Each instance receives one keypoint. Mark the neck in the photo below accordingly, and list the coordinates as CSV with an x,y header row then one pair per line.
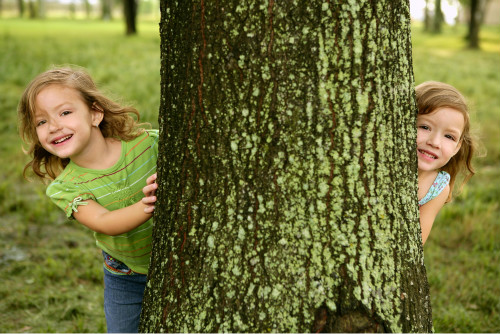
x,y
426,173
103,153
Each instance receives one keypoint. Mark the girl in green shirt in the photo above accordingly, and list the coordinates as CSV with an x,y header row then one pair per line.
x,y
98,159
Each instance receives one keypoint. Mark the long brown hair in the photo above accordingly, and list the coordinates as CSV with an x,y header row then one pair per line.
x,y
433,95
117,121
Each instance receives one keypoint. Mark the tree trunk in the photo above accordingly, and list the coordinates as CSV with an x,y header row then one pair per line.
x,y
20,6
474,23
287,195
130,14
106,12
33,9
438,17
427,17
88,8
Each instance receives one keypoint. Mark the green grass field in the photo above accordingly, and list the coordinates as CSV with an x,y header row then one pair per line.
x,y
51,278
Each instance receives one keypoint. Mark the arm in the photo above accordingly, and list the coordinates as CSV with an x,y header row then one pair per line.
x,y
429,211
101,220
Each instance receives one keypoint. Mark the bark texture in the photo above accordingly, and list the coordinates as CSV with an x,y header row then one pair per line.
x,y
287,195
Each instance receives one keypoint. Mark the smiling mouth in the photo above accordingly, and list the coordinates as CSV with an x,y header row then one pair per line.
x,y
63,139
428,154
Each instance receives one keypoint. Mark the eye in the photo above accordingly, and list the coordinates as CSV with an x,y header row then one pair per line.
x,y
39,123
451,137
65,112
424,127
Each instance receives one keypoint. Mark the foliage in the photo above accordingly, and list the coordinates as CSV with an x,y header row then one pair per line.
x,y
51,277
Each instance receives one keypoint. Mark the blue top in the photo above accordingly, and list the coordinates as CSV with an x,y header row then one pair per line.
x,y
440,182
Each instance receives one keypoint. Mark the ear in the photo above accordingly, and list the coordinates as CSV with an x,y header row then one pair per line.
x,y
97,114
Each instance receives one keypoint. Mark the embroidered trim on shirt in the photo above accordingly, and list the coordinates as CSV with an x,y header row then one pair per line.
x,y
76,202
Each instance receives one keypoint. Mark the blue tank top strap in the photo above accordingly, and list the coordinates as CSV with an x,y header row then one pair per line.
x,y
440,182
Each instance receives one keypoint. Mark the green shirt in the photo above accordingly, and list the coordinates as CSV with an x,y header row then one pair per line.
x,y
114,188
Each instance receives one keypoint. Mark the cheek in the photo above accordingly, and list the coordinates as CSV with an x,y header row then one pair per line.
x,y
420,136
38,132
452,149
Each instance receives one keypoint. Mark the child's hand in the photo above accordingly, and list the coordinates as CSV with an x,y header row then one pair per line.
x,y
149,192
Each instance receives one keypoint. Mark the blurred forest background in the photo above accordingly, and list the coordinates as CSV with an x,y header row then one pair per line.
x,y
51,271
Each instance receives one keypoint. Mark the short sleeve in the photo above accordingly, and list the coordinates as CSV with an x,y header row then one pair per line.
x,y
154,134
68,196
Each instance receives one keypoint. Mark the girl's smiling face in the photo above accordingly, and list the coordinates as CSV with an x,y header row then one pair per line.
x,y
439,137
64,122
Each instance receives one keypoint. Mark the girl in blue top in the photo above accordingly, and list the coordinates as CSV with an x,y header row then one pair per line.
x,y
444,147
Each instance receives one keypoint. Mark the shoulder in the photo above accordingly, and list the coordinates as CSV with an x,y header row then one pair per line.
x,y
147,136
68,189
436,187
152,132
442,178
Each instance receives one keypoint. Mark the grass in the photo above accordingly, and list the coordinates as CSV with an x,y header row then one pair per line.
x,y
51,277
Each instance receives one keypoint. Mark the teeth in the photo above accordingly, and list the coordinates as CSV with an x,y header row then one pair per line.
x,y
432,156
62,139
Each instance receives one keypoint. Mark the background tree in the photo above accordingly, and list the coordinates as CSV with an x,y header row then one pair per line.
x,y
427,17
33,9
88,8
476,14
20,6
130,14
106,12
287,170
438,18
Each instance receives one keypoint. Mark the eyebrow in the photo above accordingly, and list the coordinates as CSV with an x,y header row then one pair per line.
x,y
448,129
59,106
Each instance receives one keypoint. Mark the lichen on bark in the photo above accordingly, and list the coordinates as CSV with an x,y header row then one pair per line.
x,y
287,170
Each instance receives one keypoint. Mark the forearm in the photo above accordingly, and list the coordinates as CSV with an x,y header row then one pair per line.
x,y
113,222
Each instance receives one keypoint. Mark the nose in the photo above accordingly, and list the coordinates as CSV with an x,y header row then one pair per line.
x,y
54,125
434,140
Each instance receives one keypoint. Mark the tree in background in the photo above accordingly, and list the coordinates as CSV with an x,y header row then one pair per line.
x,y
433,19
438,19
88,8
427,17
106,12
287,170
34,9
476,14
20,6
130,14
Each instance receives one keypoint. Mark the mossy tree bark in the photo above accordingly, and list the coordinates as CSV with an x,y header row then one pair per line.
x,y
287,195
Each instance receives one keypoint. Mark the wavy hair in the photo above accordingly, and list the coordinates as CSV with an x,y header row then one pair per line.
x,y
433,95
117,122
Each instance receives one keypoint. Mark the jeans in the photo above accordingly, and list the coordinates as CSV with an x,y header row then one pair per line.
x,y
123,301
